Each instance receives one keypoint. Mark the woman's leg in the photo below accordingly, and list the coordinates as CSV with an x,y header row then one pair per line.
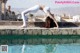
x,y
33,9
24,19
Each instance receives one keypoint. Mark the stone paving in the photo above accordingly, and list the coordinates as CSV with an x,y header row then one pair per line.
x,y
12,29
39,30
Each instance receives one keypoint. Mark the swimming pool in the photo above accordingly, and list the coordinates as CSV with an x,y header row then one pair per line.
x,y
41,43
44,48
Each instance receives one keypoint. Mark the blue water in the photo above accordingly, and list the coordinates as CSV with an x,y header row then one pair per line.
x,y
50,48
68,49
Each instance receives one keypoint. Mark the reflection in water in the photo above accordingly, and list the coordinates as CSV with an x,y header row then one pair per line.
x,y
23,48
48,48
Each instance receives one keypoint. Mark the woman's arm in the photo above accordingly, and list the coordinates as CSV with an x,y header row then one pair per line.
x,y
46,10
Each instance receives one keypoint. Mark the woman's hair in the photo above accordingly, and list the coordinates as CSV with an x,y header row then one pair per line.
x,y
49,22
48,18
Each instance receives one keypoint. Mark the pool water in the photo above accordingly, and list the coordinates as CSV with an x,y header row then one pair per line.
x,y
46,48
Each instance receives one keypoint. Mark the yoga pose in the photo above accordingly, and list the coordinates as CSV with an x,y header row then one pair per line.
x,y
45,9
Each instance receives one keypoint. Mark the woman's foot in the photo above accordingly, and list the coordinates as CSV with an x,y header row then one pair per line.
x,y
23,26
56,27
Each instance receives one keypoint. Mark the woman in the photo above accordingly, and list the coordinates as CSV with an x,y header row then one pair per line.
x,y
45,9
